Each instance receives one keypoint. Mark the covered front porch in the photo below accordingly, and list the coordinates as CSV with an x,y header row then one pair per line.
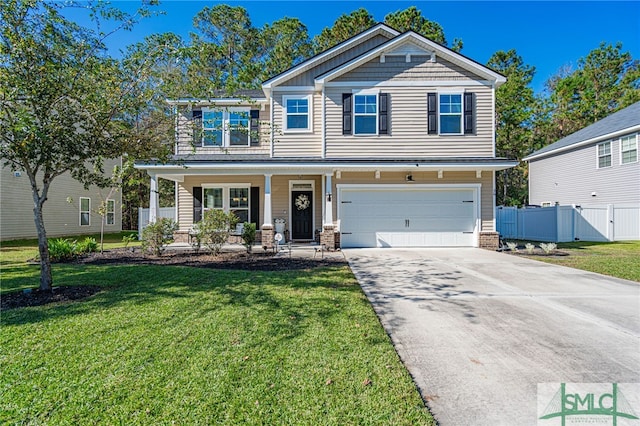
x,y
297,206
364,203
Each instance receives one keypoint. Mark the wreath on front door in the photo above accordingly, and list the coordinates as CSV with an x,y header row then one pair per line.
x,y
302,202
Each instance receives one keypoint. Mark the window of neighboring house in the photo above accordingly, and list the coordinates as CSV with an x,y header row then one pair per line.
x,y
629,149
85,211
450,113
365,114
297,113
604,155
111,212
233,199
226,128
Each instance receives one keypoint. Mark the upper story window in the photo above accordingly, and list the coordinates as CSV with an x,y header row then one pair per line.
x,y
365,114
604,155
629,149
226,127
450,113
297,113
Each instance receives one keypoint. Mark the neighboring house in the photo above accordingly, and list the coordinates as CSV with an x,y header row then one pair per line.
x,y
385,140
69,209
595,165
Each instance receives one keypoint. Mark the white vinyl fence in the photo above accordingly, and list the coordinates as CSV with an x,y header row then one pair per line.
x,y
143,217
610,222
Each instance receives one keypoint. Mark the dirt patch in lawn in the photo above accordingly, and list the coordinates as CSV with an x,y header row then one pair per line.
x,y
235,260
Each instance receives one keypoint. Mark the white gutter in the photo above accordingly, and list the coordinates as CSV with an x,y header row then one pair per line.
x,y
586,142
325,167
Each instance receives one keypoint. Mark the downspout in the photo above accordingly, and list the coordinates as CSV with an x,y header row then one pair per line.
x,y
324,123
272,123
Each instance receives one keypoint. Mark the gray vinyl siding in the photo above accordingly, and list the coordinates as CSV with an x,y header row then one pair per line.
x,y
61,218
295,144
306,78
185,144
572,176
408,127
396,68
486,191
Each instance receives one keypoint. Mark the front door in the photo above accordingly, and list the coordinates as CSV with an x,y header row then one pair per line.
x,y
301,215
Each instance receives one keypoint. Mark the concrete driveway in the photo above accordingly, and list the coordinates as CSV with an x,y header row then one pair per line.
x,y
478,330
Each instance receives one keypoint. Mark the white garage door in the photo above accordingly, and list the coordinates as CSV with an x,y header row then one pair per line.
x,y
408,217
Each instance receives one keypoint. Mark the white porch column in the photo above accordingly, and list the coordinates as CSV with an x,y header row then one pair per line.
x,y
328,200
154,200
268,221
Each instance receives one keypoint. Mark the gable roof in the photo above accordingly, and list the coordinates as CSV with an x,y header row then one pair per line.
x,y
424,43
626,120
327,54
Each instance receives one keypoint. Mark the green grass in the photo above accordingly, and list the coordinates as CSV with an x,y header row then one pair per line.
x,y
165,344
618,259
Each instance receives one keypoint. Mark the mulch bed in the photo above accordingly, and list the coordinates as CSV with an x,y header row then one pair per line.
x,y
236,261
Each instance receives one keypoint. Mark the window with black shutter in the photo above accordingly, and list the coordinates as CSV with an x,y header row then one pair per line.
x,y
468,113
197,204
196,124
346,113
383,121
254,127
432,113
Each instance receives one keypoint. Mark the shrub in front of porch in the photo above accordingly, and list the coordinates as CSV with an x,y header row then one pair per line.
x,y
215,228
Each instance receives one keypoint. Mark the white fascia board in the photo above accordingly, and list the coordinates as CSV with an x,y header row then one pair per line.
x,y
431,46
203,168
415,83
309,63
304,89
217,101
585,142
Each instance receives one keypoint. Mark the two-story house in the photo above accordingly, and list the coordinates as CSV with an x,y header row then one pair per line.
x,y
595,165
384,140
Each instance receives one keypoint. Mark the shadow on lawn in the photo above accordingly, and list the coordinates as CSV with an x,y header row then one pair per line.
x,y
133,285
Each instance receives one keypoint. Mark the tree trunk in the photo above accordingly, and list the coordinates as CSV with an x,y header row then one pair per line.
x,y
46,279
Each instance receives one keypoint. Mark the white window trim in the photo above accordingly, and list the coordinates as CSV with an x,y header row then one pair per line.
x,y
106,216
636,149
226,199
285,113
598,154
353,111
84,211
226,127
456,92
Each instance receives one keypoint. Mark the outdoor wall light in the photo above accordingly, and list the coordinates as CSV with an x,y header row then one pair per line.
x,y
409,178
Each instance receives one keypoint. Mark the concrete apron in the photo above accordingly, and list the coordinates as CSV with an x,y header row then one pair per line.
x,y
479,330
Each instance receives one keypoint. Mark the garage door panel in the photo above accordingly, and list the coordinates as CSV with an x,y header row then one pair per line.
x,y
408,217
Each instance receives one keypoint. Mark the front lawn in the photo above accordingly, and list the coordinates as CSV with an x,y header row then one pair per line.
x,y
618,259
173,344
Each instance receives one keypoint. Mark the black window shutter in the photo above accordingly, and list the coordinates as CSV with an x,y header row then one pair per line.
x,y
468,113
197,127
383,122
432,113
255,205
254,127
197,204
346,113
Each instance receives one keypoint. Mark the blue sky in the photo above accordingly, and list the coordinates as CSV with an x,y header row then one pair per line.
x,y
547,34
